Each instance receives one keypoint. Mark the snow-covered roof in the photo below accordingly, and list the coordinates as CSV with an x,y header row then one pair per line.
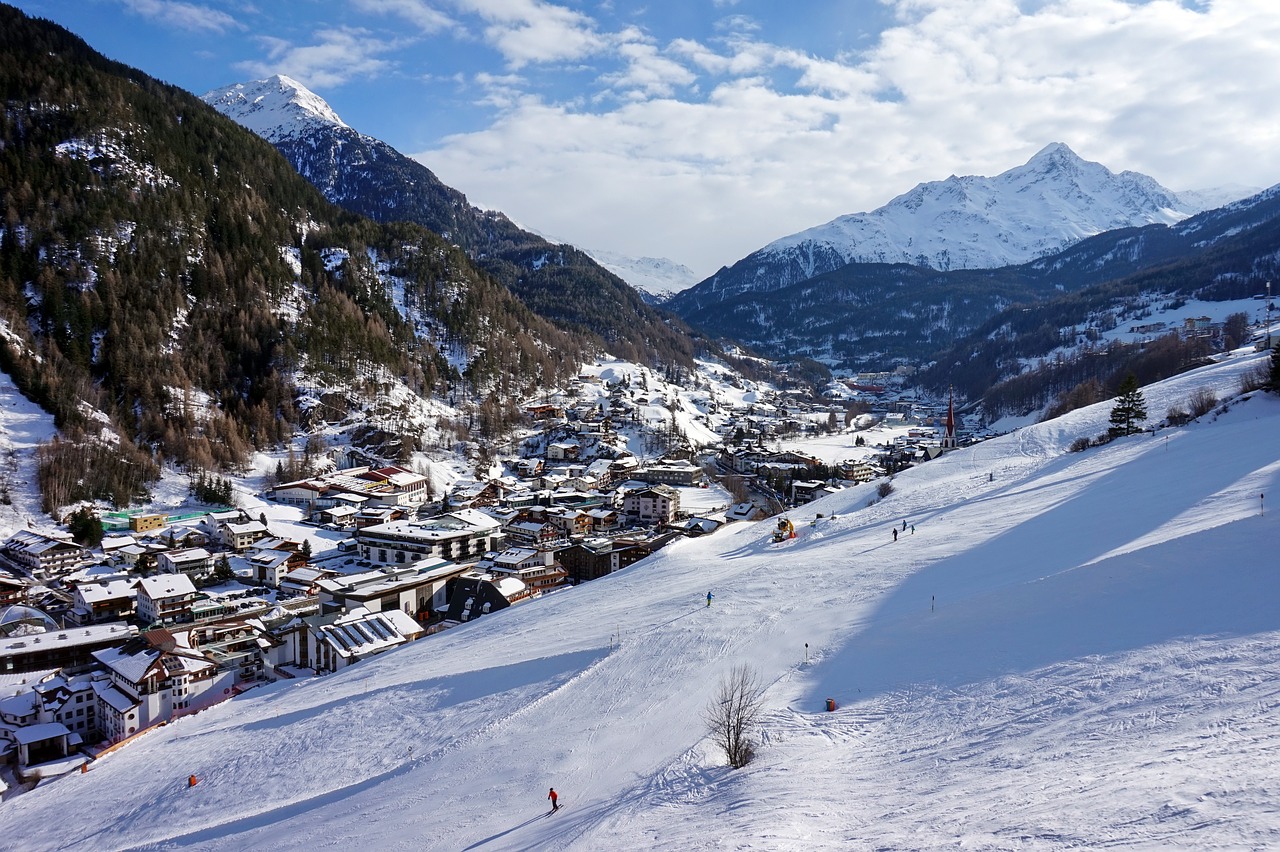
x,y
37,733
160,586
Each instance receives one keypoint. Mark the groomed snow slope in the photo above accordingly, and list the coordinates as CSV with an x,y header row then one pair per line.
x,y
1072,649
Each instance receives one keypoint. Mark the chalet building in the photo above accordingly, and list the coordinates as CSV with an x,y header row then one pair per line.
x,y
42,555
270,566
31,641
563,451
594,558
466,534
99,601
303,582
215,523
165,598
538,534
342,517
604,520
12,591
695,526
239,536
599,474
406,487
808,490
659,504
419,590
476,595
307,493
544,412
195,562
529,468
69,700
747,511
474,495
537,569
384,486
144,553
339,639
371,516
857,471
570,522
154,677
671,474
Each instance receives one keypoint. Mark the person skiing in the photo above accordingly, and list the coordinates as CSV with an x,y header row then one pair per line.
x,y
709,599
895,533
555,803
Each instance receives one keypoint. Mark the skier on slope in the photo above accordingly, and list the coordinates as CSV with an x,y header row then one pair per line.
x,y
709,596
555,803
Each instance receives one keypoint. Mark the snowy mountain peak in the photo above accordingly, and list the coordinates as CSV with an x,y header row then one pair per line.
x,y
658,277
1053,200
275,108
1055,153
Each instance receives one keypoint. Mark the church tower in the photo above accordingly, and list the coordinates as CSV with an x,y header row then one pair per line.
x,y
949,436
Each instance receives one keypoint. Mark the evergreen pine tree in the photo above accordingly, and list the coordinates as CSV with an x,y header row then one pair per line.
x,y
1273,383
1130,408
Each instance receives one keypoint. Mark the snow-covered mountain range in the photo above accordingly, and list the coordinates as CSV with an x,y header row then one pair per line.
x,y
658,277
369,177
1053,200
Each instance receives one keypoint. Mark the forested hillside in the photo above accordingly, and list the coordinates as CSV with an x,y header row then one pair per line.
x,y
558,282
166,268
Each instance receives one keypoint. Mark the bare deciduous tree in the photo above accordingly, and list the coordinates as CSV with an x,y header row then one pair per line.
x,y
1202,401
733,713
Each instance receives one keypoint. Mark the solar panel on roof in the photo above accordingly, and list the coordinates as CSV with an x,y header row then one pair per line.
x,y
340,639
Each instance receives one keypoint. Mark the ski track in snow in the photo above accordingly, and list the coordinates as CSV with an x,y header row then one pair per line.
x,y
1071,650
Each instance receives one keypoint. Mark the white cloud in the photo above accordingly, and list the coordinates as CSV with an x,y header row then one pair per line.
x,y
425,16
769,140
531,31
184,16
340,55
647,73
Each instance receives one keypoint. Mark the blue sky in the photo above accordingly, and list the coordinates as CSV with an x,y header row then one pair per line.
x,y
702,129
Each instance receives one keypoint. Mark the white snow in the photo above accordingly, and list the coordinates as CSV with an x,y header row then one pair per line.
x,y
275,108
657,276
976,222
1071,650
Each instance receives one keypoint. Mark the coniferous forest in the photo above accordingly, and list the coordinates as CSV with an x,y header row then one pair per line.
x,y
167,268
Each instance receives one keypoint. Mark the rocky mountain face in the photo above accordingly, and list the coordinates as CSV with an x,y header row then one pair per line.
x,y
1052,201
369,177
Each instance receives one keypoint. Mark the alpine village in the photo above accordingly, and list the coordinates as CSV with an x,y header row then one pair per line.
x,y
257,429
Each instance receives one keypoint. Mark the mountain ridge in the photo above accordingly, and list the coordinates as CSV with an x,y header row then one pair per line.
x,y
367,176
1038,208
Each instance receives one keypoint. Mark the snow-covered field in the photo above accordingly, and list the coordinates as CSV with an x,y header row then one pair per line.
x,y
1072,650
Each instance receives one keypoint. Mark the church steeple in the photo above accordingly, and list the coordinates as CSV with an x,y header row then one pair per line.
x,y
949,436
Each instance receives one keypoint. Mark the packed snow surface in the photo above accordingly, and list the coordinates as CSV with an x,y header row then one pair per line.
x,y
1067,650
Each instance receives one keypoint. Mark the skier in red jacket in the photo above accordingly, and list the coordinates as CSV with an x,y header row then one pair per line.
x,y
555,805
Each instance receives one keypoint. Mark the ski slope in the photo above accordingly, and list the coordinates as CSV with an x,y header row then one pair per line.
x,y
1071,650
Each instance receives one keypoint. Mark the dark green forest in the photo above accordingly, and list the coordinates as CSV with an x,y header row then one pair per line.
x,y
143,269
